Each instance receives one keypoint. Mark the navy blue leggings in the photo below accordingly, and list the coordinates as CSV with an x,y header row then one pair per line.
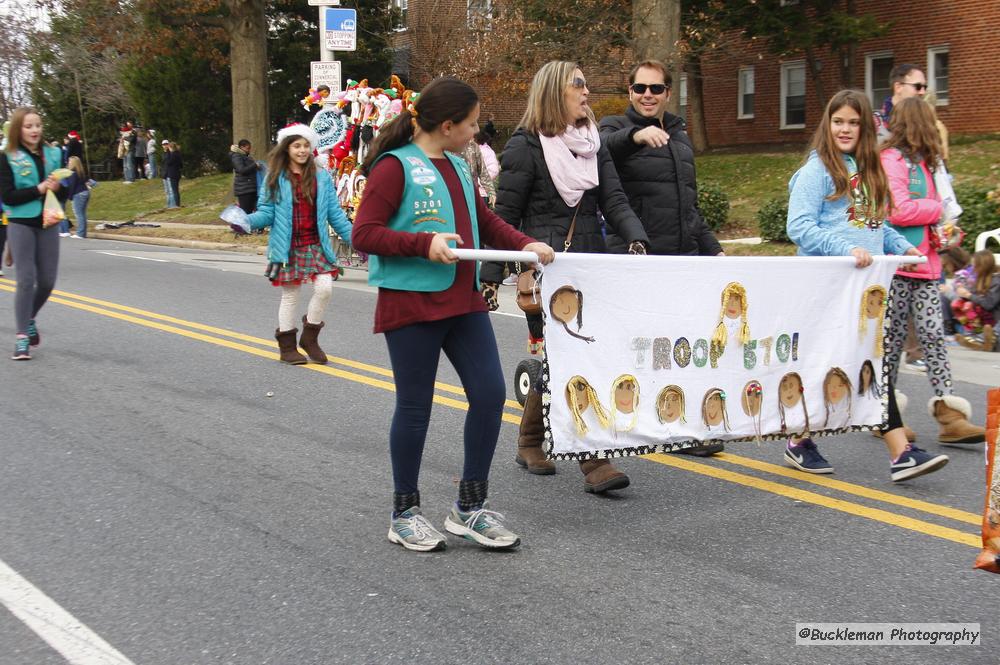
x,y
414,350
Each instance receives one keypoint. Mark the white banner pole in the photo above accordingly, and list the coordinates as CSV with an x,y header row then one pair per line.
x,y
531,257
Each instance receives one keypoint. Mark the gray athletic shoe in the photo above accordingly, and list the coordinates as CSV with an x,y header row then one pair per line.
x,y
414,532
482,526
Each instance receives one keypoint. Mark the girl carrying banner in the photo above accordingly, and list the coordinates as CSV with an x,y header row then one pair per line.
x,y
837,204
419,200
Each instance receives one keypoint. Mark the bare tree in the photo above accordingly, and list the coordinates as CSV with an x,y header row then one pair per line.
x,y
656,32
16,35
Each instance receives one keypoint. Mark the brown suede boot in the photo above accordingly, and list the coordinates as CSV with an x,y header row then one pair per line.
x,y
310,341
286,345
600,476
953,413
529,439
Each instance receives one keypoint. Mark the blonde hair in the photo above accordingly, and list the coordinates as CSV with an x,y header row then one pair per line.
x,y
624,378
76,166
704,403
602,415
863,320
802,400
839,373
720,337
663,393
547,113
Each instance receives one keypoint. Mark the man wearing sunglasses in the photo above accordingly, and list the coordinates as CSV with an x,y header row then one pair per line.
x,y
904,81
655,162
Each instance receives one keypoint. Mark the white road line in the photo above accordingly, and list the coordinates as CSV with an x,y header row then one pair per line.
x,y
129,256
74,641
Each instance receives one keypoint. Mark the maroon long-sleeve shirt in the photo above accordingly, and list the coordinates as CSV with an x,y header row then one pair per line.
x,y
382,198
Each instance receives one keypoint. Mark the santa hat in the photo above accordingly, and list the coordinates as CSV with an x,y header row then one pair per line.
x,y
298,129
73,135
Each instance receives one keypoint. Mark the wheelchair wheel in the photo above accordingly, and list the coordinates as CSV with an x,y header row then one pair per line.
x,y
525,376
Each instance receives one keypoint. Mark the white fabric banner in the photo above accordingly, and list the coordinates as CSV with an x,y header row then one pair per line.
x,y
648,354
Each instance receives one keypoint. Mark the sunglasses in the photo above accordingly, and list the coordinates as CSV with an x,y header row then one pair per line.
x,y
578,83
916,86
656,88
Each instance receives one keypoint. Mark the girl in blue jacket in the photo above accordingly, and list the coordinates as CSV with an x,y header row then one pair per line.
x,y
837,206
299,203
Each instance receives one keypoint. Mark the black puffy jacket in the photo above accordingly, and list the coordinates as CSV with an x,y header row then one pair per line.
x,y
528,199
660,184
244,173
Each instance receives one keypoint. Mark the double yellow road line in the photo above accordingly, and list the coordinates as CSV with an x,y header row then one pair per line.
x,y
380,377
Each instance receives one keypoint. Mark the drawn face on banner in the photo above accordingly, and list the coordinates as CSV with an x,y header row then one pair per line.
x,y
626,395
565,305
866,377
835,388
874,302
670,404
713,407
752,398
578,395
734,306
790,390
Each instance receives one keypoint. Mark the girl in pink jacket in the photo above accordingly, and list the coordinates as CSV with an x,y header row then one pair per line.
x,y
909,158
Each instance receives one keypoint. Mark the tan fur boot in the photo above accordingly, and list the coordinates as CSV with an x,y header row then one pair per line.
x,y
286,345
310,341
953,413
600,476
530,438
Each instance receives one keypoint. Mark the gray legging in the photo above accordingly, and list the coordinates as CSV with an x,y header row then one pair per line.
x,y
36,262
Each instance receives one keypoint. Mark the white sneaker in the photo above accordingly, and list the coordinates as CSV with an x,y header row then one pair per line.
x,y
63,235
414,532
511,280
76,236
481,526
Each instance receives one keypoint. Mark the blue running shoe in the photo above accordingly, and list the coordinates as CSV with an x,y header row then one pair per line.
x,y
806,457
33,337
915,462
414,532
22,349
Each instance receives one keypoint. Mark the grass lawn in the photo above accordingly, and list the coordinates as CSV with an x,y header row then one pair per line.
x,y
202,198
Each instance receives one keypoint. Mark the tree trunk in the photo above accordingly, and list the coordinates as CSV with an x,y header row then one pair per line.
x,y
248,64
816,74
656,29
696,104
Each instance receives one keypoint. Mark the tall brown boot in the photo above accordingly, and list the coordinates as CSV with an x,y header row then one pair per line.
x,y
600,476
286,345
952,413
310,341
529,439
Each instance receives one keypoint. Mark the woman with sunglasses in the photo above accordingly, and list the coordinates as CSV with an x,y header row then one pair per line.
x,y
554,174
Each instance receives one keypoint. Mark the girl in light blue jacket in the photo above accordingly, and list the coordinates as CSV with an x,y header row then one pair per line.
x,y
837,206
299,203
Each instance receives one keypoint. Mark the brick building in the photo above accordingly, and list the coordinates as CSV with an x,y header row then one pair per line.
x,y
753,97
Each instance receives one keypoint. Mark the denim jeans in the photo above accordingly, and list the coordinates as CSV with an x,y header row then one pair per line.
x,y
128,165
80,202
152,166
168,189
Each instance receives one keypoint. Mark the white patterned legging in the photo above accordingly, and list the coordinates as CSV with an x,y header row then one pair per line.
x,y
921,300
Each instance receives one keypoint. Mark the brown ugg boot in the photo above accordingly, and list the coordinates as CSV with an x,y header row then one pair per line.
x,y
600,476
953,413
286,345
310,341
529,439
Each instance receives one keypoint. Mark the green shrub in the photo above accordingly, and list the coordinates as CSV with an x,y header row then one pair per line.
x,y
771,219
981,207
714,205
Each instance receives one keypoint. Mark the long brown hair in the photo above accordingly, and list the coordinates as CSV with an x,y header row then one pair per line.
x,y
866,153
444,98
76,166
547,112
16,123
278,161
985,265
913,124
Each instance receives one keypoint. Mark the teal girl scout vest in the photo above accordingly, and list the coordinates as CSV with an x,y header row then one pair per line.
x,y
425,208
26,175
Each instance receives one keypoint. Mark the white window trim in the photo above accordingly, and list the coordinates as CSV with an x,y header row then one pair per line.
x,y
869,88
784,92
932,75
740,115
401,5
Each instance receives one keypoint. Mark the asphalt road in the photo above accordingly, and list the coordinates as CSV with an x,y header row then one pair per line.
x,y
152,489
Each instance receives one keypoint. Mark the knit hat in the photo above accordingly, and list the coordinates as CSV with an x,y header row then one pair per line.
x,y
298,129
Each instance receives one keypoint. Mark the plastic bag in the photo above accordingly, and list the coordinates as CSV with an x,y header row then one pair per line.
x,y
237,219
52,210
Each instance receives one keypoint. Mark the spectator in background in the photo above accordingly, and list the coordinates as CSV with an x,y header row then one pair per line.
x,y
126,140
172,165
151,154
139,148
78,190
244,175
74,146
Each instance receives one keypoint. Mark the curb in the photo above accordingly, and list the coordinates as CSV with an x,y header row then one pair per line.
x,y
180,242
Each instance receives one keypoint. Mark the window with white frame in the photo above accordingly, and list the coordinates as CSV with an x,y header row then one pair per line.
x,y
878,67
793,95
400,8
744,103
937,74
682,97
479,14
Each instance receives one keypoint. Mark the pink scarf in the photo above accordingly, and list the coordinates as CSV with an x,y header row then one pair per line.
x,y
571,159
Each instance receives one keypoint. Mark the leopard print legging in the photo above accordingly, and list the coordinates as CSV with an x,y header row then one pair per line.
x,y
920,299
